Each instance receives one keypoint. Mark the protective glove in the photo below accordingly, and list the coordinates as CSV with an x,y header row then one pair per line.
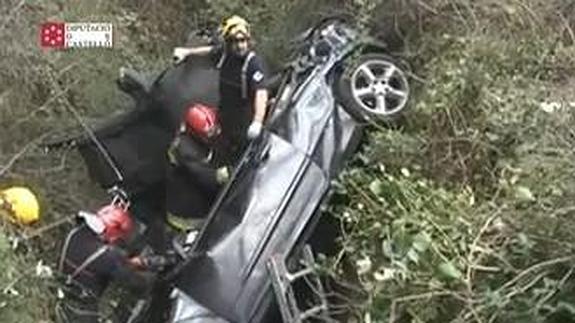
x,y
180,53
254,130
222,175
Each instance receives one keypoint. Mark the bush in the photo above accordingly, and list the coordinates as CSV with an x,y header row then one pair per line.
x,y
463,214
25,281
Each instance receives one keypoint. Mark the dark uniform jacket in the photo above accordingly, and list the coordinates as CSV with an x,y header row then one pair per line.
x,y
192,184
240,78
111,265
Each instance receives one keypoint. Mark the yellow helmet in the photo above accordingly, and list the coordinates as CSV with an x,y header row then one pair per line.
x,y
234,26
21,204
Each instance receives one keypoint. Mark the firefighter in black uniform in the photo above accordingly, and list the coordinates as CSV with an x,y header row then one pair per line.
x,y
196,172
92,258
243,93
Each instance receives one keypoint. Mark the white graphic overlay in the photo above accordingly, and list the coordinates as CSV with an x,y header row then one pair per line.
x,y
88,34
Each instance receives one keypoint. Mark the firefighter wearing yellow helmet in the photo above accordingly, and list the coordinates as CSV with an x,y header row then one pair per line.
x,y
242,84
233,27
20,205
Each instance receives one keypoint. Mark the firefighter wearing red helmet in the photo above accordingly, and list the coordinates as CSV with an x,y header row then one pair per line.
x,y
202,121
93,256
242,83
196,173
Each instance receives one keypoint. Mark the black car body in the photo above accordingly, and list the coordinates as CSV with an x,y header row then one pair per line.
x,y
271,206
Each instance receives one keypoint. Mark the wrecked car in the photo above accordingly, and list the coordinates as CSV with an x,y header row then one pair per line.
x,y
244,263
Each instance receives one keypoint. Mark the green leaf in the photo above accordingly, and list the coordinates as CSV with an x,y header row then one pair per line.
x,y
405,172
525,241
523,193
376,187
413,256
387,249
449,270
422,241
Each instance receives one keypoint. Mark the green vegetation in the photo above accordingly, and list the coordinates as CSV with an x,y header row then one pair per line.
x,y
462,213
23,297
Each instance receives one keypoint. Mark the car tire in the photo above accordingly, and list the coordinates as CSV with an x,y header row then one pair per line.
x,y
373,87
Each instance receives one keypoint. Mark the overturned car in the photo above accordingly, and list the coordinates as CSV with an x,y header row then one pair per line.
x,y
244,263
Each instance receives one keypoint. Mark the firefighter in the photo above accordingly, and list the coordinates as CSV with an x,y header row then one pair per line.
x,y
196,172
19,205
93,256
242,86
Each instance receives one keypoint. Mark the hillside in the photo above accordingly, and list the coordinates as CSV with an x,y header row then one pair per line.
x,y
461,212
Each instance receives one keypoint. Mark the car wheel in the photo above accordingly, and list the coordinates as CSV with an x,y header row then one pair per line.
x,y
373,87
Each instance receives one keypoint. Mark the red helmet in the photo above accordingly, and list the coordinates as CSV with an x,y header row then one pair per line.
x,y
117,222
202,121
